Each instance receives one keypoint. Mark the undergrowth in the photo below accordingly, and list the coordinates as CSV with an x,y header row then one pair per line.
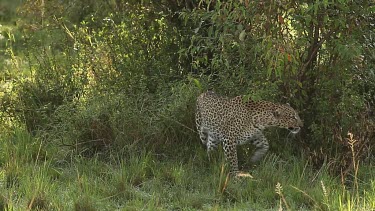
x,y
33,176
97,106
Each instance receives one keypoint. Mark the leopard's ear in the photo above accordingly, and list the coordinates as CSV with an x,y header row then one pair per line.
x,y
276,113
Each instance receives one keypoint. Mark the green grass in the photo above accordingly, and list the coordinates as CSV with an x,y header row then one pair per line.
x,y
37,173
37,176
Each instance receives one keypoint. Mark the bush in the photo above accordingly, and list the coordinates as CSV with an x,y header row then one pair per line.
x,y
118,76
117,121
290,53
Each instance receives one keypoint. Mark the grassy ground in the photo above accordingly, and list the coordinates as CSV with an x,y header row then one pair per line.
x,y
37,176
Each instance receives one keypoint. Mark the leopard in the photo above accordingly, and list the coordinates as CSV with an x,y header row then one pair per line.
x,y
236,121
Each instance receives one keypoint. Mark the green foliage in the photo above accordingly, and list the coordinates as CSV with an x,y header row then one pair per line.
x,y
132,50
36,99
8,10
98,100
105,121
311,54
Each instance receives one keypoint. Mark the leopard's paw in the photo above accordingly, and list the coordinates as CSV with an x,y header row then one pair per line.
x,y
243,174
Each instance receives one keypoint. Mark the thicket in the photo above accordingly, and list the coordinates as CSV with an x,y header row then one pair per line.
x,y
316,55
113,74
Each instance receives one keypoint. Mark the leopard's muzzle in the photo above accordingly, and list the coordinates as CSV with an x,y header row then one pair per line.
x,y
294,130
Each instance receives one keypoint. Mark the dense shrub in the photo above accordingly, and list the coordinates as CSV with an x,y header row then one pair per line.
x,y
130,71
310,54
117,121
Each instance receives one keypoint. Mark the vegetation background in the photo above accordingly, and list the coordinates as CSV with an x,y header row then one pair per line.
x,y
97,102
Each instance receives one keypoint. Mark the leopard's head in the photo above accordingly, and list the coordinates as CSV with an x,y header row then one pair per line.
x,y
267,114
286,117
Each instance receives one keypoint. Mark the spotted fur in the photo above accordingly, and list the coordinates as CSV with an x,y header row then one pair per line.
x,y
232,122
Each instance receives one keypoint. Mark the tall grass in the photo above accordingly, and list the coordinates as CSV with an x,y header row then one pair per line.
x,y
141,179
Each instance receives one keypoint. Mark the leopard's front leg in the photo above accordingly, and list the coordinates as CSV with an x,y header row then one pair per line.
x,y
230,152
